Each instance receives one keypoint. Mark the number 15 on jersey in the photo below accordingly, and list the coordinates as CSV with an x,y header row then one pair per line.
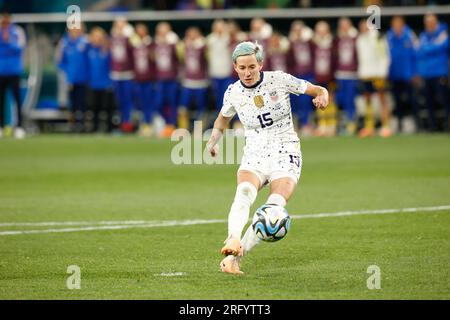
x,y
265,120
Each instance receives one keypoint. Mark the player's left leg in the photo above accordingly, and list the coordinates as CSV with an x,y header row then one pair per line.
x,y
281,190
286,170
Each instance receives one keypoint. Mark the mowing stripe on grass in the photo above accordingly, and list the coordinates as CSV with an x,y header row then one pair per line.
x,y
128,224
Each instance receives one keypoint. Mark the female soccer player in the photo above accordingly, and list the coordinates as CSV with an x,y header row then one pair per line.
x,y
272,150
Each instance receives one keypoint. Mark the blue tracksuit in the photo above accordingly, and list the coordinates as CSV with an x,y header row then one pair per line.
x,y
432,65
403,55
11,68
74,62
74,59
11,52
432,53
99,68
402,69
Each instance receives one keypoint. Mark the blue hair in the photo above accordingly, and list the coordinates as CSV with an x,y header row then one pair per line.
x,y
248,48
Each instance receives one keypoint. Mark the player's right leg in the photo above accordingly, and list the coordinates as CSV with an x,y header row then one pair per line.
x,y
248,184
246,191
230,264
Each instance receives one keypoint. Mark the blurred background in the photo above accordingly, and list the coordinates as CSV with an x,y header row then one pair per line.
x,y
148,67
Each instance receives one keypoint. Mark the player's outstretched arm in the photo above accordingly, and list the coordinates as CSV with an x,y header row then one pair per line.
x,y
220,125
320,95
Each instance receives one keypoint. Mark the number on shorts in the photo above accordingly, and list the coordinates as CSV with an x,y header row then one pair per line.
x,y
295,160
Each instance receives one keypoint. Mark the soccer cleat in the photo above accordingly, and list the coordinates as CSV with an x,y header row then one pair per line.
x,y
145,131
320,131
183,118
232,247
7,131
127,127
330,131
230,264
306,131
366,132
19,133
385,132
167,131
350,128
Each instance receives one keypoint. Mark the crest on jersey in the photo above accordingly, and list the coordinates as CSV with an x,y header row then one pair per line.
x,y
259,101
273,96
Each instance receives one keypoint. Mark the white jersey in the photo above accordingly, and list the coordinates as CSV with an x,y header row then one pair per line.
x,y
264,108
220,64
272,145
373,55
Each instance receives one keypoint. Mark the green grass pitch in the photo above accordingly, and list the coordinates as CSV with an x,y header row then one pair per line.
x,y
58,178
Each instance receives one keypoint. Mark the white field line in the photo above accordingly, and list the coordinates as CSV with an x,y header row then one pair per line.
x,y
128,224
72,223
379,211
148,224
170,274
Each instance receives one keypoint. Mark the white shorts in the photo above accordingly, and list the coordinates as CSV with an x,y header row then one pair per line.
x,y
273,162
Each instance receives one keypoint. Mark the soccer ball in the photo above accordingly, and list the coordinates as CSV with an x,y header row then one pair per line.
x,y
271,222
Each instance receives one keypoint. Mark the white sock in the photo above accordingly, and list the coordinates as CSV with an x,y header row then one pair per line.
x,y
276,198
240,209
250,240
